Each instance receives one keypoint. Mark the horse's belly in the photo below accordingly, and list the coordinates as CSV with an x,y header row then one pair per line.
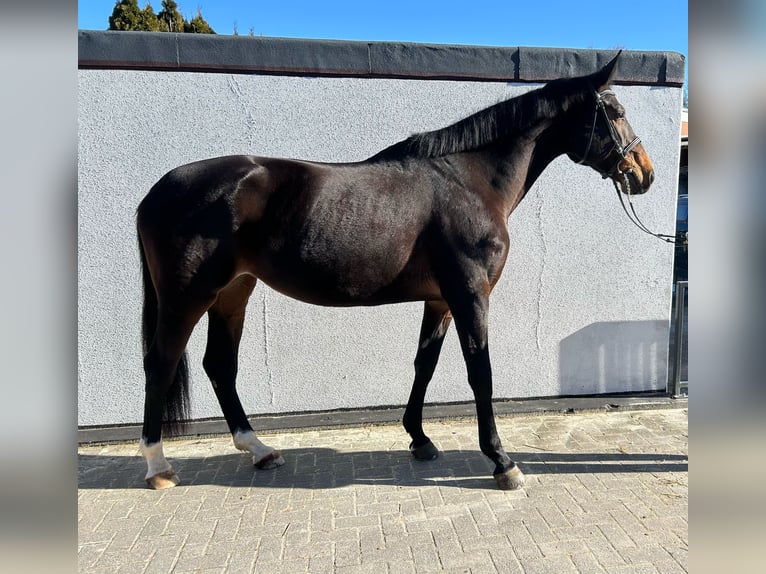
x,y
347,273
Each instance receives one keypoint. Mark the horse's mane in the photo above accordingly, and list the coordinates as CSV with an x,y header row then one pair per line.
x,y
502,120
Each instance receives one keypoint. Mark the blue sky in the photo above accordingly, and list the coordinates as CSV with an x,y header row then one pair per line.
x,y
645,25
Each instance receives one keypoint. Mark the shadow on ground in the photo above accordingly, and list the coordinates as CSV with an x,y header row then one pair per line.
x,y
319,468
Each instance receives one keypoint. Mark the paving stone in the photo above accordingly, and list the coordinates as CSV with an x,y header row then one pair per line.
x,y
347,553
130,568
586,562
426,558
400,567
605,492
321,564
549,565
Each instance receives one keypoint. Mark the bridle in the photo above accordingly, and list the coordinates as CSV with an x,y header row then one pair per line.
x,y
622,152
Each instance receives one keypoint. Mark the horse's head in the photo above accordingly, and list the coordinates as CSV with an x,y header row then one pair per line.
x,y
605,141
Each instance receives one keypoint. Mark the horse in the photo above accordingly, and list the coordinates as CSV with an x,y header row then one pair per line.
x,y
422,220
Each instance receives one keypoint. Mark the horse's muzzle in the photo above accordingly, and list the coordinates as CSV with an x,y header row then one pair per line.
x,y
644,166
632,182
635,174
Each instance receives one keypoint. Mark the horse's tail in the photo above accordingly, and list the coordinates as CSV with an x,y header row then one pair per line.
x,y
176,409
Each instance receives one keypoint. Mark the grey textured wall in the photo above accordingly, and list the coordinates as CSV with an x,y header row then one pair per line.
x,y
583,305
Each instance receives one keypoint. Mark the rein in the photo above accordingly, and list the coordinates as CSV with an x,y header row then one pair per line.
x,y
635,219
623,152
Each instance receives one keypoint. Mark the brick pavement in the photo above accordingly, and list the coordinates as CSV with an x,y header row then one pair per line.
x,y
605,492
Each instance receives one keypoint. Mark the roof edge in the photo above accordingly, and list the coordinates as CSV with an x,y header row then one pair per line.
x,y
98,49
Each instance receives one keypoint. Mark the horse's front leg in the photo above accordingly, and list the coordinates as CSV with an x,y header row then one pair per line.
x,y
436,321
470,313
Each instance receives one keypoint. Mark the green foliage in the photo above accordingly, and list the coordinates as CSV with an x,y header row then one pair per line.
x,y
125,16
170,18
149,19
128,16
198,25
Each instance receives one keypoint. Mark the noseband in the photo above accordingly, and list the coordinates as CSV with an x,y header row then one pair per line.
x,y
622,151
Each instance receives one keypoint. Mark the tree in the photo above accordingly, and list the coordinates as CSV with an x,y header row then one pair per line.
x,y
149,20
125,16
128,16
198,25
170,18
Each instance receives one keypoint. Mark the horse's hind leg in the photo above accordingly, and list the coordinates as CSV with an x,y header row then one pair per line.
x,y
225,320
166,382
436,321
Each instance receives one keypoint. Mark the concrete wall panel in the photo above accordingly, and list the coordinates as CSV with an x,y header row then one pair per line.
x,y
583,306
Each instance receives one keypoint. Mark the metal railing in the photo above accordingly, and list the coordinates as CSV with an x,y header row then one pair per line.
x,y
677,387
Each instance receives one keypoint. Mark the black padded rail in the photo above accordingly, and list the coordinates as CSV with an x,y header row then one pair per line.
x,y
339,58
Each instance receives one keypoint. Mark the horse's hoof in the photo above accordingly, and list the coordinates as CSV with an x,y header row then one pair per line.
x,y
424,452
271,460
162,480
511,479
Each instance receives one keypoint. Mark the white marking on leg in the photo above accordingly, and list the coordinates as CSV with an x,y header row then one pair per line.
x,y
155,458
246,440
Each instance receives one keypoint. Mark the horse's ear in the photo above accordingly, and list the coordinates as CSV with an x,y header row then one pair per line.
x,y
606,74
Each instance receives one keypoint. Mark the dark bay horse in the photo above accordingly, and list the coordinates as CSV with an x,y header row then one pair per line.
x,y
422,220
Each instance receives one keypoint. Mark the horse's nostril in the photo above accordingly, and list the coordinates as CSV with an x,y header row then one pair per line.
x,y
651,177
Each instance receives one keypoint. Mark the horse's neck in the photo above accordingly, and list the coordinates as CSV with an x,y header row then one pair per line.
x,y
545,149
516,165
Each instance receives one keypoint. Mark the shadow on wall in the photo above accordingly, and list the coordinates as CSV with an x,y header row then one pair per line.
x,y
614,357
